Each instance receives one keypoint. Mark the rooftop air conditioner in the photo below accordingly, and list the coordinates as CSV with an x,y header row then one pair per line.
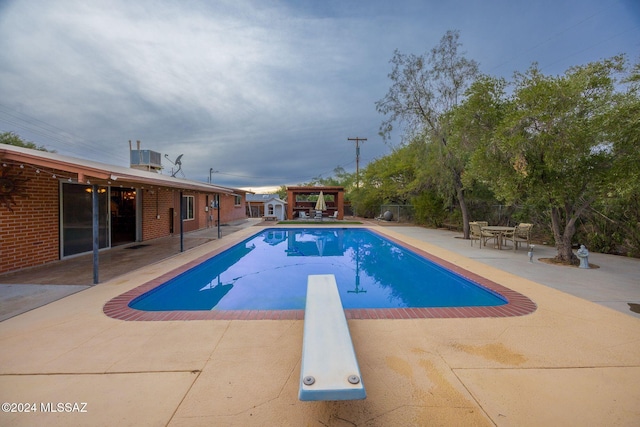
x,y
146,159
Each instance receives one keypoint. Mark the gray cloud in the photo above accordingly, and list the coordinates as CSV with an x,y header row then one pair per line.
x,y
265,93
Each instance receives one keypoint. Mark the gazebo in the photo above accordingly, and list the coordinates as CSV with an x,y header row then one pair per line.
x,y
298,201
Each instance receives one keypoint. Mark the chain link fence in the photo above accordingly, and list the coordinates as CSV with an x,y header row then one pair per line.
x,y
399,213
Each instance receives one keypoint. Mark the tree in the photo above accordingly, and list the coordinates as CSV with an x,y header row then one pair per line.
x,y
282,192
11,138
340,178
392,176
424,88
622,123
618,212
553,146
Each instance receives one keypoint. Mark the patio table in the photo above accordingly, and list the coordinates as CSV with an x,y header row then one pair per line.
x,y
498,231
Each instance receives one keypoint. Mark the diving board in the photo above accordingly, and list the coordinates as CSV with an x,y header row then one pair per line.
x,y
329,369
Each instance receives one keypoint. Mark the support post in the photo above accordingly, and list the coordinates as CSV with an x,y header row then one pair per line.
x,y
95,209
218,205
181,222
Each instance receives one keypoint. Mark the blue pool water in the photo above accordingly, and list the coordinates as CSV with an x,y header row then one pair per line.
x,y
269,270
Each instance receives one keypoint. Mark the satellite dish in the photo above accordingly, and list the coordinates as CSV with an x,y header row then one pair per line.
x,y
177,162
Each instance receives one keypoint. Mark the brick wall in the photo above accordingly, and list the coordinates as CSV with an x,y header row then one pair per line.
x,y
30,234
231,212
187,225
228,212
156,205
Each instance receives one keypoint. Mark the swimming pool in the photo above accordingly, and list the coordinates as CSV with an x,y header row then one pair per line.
x,y
269,270
218,279
267,273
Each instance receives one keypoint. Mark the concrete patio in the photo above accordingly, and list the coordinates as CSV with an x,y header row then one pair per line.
x,y
574,361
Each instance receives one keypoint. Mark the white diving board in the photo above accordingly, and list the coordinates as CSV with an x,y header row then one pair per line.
x,y
329,369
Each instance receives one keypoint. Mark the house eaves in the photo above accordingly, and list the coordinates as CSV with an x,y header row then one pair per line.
x,y
102,173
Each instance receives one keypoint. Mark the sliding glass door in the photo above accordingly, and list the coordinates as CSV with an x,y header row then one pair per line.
x,y
77,218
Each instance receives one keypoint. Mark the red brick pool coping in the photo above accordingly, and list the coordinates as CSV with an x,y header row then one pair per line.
x,y
518,304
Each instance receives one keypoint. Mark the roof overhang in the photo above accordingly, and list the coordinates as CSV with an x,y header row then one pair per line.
x,y
332,189
101,173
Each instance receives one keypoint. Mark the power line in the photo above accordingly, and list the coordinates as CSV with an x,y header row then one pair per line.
x,y
48,131
306,177
30,119
590,47
58,135
556,35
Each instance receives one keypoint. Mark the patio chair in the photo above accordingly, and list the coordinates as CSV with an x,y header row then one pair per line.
x,y
521,234
303,215
476,233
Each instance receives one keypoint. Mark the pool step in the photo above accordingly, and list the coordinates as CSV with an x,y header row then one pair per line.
x,y
329,369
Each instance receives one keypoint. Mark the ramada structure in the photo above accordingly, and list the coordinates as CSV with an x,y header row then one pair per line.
x,y
298,200
46,206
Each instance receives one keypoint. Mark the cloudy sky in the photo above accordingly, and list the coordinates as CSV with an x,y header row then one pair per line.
x,y
265,93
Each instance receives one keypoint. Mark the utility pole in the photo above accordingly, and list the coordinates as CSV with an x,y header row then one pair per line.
x,y
357,140
211,171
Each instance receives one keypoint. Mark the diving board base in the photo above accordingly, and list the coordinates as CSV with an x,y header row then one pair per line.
x,y
329,368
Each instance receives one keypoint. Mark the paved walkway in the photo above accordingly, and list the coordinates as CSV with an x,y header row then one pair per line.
x,y
32,288
614,284
571,362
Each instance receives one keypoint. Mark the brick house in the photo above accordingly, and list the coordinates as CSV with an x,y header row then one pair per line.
x,y
46,206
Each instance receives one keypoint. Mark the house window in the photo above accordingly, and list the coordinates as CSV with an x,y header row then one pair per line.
x,y
188,206
237,201
270,209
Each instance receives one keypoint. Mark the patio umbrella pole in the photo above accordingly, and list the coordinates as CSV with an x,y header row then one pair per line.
x,y
321,204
